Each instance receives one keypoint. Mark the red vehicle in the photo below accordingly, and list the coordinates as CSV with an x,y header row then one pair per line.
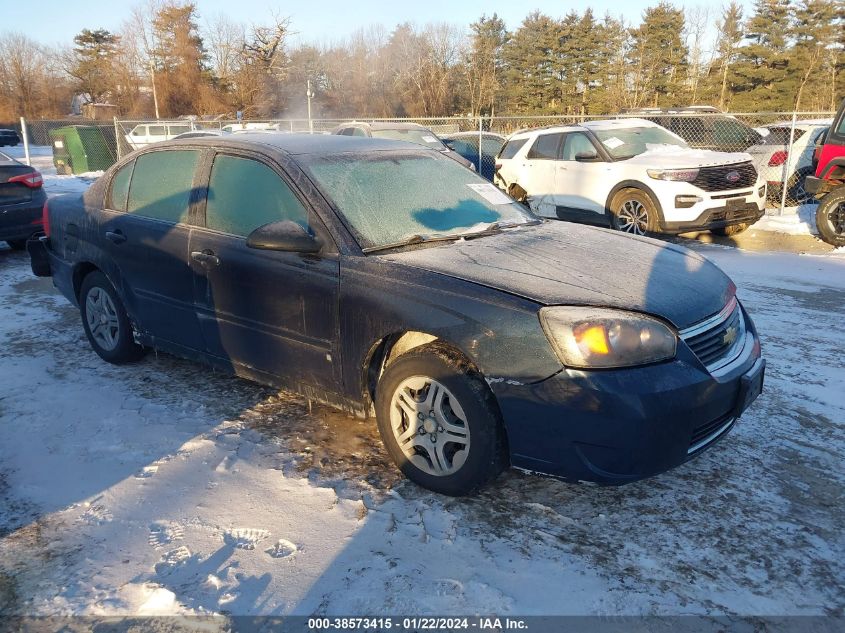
x,y
828,184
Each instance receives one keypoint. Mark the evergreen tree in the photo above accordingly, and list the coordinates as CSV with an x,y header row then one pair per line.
x,y
93,63
483,64
531,59
658,56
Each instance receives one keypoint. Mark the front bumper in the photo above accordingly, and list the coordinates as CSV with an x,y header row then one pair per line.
x,y
617,426
714,210
718,218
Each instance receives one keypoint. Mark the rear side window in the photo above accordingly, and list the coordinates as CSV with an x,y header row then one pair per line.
x,y
512,147
161,185
156,130
545,147
120,187
244,194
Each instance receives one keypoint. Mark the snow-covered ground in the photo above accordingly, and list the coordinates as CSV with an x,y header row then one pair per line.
x,y
161,487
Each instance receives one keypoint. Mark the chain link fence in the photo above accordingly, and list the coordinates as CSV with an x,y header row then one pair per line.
x,y
781,144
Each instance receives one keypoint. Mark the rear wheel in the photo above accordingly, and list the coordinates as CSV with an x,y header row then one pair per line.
x,y
633,211
727,231
106,322
439,421
830,217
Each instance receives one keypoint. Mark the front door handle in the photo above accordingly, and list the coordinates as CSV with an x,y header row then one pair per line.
x,y
206,257
116,236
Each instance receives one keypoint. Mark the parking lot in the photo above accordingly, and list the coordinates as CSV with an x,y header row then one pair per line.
x,y
161,487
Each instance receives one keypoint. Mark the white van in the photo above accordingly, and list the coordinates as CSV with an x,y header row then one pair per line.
x,y
145,133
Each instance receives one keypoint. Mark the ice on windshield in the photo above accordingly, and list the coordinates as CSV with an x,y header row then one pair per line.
x,y
623,143
388,197
412,135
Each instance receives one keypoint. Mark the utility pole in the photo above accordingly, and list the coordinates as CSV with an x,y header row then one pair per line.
x,y
309,94
153,81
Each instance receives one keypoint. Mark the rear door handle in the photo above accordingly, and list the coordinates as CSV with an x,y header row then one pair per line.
x,y
206,258
116,236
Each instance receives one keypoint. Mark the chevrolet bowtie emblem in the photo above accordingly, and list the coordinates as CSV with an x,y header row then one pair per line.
x,y
730,336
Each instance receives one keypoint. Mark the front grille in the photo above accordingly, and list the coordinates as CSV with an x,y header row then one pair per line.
x,y
707,433
715,341
726,177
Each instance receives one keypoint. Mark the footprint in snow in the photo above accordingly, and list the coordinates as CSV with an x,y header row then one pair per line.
x,y
163,533
173,558
147,471
245,538
282,549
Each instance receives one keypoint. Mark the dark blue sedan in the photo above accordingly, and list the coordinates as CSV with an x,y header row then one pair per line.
x,y
384,278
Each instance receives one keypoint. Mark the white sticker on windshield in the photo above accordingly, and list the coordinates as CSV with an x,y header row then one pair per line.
x,y
429,139
613,142
490,193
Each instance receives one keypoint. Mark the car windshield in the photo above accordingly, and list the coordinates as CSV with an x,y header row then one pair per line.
x,y
390,197
422,137
622,143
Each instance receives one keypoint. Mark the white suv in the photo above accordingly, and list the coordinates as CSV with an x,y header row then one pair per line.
x,y
633,175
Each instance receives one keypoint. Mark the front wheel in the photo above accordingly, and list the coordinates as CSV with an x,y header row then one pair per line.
x,y
439,421
830,217
106,322
633,211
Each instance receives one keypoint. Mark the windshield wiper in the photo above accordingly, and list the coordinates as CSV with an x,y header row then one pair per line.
x,y
496,227
413,239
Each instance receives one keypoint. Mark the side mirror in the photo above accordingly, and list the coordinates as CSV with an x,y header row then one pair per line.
x,y
587,157
284,236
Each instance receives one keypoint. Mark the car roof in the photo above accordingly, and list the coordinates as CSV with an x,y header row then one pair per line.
x,y
803,123
472,135
601,124
385,125
298,144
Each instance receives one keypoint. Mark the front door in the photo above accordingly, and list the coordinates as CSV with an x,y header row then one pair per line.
x,y
583,185
260,310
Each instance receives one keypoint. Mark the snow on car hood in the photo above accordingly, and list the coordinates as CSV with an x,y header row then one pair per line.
x,y
558,263
674,157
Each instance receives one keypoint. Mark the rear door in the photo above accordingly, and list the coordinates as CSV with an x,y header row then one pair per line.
x,y
272,312
538,173
145,231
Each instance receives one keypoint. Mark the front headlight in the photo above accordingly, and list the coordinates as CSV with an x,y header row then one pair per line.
x,y
592,338
684,175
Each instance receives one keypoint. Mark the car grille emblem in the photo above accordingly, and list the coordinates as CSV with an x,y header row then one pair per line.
x,y
730,336
732,176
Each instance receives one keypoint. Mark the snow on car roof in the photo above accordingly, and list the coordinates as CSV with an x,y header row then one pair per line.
x,y
602,124
801,123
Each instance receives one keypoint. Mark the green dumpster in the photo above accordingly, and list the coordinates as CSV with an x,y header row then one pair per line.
x,y
81,148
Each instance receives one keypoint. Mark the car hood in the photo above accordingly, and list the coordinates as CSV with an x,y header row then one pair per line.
x,y
683,157
558,263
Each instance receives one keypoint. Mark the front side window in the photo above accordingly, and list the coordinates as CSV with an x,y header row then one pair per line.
x,y
545,147
156,130
161,185
244,194
120,187
178,129
575,144
139,130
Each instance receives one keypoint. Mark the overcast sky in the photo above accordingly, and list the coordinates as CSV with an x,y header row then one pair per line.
x,y
57,21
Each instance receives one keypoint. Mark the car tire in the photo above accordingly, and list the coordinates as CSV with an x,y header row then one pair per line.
x,y
105,321
430,395
16,245
727,231
633,211
830,217
796,192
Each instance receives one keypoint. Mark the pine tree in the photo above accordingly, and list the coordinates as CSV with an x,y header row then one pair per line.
x,y
760,76
483,63
93,63
531,59
815,29
658,56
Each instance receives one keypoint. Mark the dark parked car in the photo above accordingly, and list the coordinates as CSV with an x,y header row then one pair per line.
x,y
9,137
478,335
703,127
22,198
410,132
466,144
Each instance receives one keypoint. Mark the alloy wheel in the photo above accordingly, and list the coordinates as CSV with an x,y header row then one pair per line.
x,y
101,316
632,217
836,218
429,426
